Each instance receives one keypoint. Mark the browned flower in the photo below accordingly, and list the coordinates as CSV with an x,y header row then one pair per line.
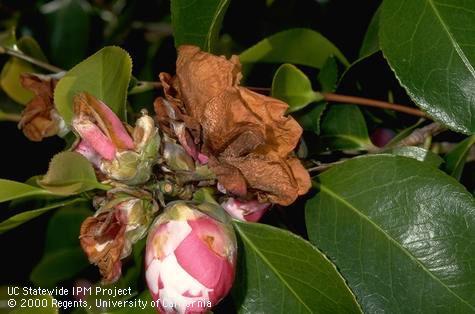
x,y
247,137
102,238
38,120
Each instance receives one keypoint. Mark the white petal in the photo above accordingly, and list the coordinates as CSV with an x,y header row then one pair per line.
x,y
151,274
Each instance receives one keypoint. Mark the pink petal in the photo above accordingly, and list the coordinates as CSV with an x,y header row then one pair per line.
x,y
200,261
110,121
245,210
93,136
87,151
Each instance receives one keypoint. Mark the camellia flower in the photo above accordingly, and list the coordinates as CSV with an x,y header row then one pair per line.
x,y
122,219
245,210
106,143
190,259
244,137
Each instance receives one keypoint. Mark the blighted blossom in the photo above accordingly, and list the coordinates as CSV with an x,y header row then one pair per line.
x,y
245,138
40,119
106,142
190,259
122,218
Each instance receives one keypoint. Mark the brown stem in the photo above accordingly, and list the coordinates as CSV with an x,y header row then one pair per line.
x,y
29,59
331,97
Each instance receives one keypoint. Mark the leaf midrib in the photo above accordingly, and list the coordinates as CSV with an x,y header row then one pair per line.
x,y
397,244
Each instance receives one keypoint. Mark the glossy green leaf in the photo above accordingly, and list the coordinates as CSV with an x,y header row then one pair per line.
x,y
309,118
14,67
401,232
23,217
105,75
69,28
430,45
298,45
371,39
63,257
455,159
197,22
343,127
70,173
418,153
279,272
293,87
10,190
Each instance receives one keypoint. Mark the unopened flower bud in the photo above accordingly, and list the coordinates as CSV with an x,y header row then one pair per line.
x,y
190,259
245,210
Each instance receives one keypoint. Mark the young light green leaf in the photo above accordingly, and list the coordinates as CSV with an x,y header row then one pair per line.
x,y
293,87
23,217
105,75
279,272
343,127
298,45
371,39
13,68
197,22
8,38
68,30
70,173
401,232
431,48
63,257
418,153
10,190
455,159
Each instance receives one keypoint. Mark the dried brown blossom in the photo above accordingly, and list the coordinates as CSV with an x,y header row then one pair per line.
x,y
102,238
246,136
39,119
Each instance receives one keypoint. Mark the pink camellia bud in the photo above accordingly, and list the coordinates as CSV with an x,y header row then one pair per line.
x,y
190,259
380,137
245,210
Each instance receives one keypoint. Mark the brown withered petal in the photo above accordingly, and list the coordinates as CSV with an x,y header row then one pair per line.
x,y
247,136
102,239
37,121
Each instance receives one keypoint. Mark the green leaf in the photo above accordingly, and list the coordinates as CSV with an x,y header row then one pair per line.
x,y
197,22
63,257
105,75
371,39
8,38
430,45
69,25
343,127
293,87
455,159
310,117
14,67
401,232
279,272
23,217
418,153
70,173
26,304
298,45
10,190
